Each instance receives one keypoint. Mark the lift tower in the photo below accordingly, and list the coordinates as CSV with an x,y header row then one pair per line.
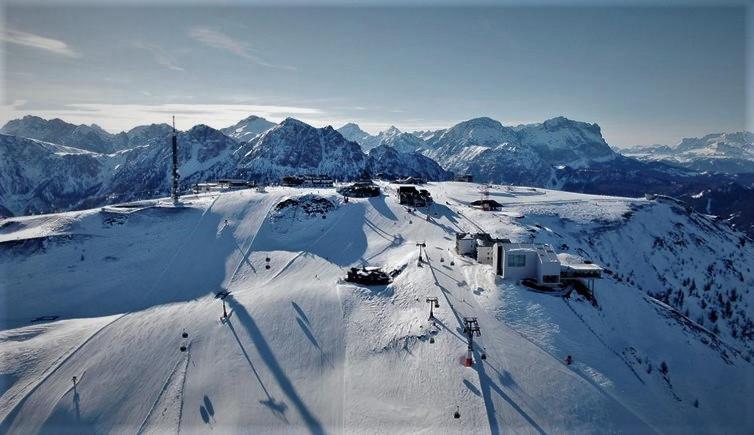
x,y
174,190
433,303
470,328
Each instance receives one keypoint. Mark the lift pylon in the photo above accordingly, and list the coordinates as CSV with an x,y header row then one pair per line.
x,y
470,328
433,303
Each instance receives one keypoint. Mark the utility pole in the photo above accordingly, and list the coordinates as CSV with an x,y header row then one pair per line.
x,y
433,303
174,190
470,328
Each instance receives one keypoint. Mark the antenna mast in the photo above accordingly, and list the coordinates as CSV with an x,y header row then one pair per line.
x,y
174,190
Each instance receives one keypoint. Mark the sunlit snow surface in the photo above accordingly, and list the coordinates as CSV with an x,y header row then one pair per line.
x,y
304,352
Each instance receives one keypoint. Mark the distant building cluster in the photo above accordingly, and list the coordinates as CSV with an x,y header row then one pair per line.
x,y
222,185
307,181
360,189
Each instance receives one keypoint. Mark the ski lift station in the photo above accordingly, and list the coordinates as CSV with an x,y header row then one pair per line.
x,y
525,261
529,261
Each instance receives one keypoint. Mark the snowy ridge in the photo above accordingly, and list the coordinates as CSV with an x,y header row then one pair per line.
x,y
392,137
304,352
717,152
86,137
248,128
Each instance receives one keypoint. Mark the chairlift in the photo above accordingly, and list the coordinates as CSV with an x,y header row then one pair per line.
x,y
267,259
457,414
484,355
184,334
183,348
266,266
437,305
442,260
452,263
431,340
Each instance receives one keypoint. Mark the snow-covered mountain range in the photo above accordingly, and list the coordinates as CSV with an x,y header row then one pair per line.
x,y
41,176
490,151
557,153
719,152
86,137
572,155
124,300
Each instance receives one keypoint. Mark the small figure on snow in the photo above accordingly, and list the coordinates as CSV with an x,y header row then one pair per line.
x,y
568,360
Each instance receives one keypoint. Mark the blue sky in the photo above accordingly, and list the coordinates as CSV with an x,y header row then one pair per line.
x,y
645,74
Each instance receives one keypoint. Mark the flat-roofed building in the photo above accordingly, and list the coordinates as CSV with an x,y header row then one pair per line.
x,y
535,261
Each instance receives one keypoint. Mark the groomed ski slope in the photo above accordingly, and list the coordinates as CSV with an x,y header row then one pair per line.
x,y
304,352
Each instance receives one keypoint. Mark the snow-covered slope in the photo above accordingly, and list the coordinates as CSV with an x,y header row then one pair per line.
x,y
248,128
304,352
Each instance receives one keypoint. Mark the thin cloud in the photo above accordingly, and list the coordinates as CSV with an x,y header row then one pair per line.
x,y
221,41
50,45
160,56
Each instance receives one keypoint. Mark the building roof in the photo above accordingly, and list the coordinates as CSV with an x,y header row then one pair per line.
x,y
583,267
576,262
482,239
545,252
488,202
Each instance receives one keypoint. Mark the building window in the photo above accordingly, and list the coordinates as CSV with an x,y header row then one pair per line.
x,y
516,260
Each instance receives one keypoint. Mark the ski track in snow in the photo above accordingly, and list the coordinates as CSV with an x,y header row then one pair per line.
x,y
51,371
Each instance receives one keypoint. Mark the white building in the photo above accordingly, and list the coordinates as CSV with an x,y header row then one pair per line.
x,y
514,261
485,251
466,244
529,261
480,246
206,187
573,266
